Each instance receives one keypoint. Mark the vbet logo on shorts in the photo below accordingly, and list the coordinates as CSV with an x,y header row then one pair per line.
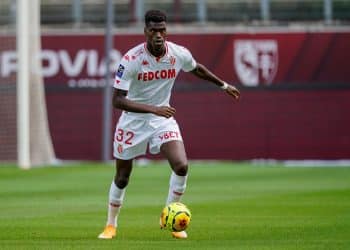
x,y
255,61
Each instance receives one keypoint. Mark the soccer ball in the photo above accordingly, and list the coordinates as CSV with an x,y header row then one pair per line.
x,y
175,217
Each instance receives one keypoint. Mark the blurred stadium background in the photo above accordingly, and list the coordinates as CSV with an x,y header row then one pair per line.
x,y
289,58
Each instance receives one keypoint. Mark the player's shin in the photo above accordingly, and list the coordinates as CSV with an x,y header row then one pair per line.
x,y
116,197
177,187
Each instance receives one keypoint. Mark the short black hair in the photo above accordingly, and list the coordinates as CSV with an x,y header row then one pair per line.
x,y
156,16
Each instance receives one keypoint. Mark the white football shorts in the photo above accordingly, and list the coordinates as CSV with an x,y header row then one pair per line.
x,y
133,134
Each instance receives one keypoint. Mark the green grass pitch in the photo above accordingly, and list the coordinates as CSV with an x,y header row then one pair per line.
x,y
234,206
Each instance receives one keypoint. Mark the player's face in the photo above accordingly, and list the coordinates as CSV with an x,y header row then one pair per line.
x,y
155,35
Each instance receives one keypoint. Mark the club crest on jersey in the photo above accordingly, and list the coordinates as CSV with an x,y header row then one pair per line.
x,y
172,60
256,61
120,71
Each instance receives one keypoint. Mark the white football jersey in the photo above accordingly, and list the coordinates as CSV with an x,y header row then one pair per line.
x,y
149,79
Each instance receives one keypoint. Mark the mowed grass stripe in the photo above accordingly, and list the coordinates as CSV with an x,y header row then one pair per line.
x,y
234,206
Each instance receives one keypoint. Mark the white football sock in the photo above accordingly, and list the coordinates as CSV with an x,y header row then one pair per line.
x,y
177,187
116,197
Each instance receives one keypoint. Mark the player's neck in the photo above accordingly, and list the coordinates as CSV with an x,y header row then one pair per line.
x,y
156,52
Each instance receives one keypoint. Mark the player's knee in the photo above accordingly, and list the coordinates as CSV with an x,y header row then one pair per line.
x,y
181,168
121,182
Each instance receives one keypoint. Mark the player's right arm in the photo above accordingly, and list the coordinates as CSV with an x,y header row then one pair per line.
x,y
121,102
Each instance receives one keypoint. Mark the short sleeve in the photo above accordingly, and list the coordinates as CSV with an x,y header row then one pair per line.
x,y
188,61
124,74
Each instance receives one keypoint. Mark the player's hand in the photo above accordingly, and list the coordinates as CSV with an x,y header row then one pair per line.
x,y
233,91
164,111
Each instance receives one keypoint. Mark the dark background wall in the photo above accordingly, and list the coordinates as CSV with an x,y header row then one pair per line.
x,y
301,113
282,124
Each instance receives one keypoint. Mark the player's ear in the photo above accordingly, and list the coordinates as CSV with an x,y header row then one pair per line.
x,y
145,30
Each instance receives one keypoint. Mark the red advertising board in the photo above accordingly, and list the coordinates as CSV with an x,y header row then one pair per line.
x,y
251,59
270,121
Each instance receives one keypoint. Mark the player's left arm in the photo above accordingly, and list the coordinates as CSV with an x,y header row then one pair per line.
x,y
202,72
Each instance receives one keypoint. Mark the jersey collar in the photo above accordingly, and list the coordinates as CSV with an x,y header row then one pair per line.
x,y
157,58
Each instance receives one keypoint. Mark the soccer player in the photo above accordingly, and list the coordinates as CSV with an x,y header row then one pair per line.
x,y
142,89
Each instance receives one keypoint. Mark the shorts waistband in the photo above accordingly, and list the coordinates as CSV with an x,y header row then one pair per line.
x,y
143,116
